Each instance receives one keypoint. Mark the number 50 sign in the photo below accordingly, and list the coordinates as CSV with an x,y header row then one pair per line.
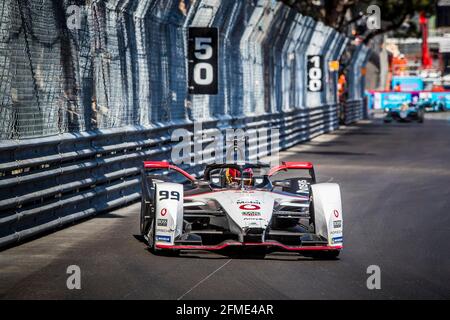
x,y
203,60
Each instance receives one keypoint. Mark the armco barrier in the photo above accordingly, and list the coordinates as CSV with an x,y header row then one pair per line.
x,y
49,182
87,106
353,111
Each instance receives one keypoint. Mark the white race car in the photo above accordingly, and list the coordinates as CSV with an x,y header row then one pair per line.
x,y
241,206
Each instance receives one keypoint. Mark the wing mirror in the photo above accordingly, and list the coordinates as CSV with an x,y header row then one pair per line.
x,y
201,183
281,183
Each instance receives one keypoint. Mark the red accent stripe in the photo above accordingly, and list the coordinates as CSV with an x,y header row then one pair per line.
x,y
248,244
291,166
166,165
156,164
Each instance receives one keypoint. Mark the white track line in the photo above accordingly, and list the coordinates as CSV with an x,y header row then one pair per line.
x,y
203,280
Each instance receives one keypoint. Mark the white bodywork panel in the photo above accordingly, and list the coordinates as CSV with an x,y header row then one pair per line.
x,y
248,208
328,212
169,212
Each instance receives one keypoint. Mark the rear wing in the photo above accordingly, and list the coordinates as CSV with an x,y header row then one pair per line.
x,y
294,166
158,165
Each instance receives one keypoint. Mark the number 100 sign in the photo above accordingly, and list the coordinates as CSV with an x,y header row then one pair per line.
x,y
203,60
315,73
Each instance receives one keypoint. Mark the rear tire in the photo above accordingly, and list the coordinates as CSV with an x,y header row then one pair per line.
x,y
146,207
142,226
151,237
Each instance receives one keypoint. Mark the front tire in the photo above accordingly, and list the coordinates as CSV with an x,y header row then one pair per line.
x,y
151,237
147,226
147,197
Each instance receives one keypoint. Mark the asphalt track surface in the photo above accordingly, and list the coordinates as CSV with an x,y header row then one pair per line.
x,y
395,182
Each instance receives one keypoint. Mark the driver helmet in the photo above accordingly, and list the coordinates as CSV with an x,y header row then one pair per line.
x,y
234,175
231,175
247,175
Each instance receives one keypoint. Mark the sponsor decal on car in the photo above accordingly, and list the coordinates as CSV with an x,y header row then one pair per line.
x,y
251,213
163,238
163,212
336,239
337,224
161,222
249,206
253,219
336,213
244,191
248,201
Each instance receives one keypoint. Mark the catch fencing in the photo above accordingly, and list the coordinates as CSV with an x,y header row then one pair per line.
x,y
82,108
355,108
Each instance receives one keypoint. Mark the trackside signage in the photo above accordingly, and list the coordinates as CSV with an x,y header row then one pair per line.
x,y
203,67
315,73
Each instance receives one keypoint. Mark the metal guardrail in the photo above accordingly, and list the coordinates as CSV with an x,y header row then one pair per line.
x,y
47,183
353,111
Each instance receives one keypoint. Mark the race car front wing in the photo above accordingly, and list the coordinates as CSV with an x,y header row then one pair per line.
x,y
268,244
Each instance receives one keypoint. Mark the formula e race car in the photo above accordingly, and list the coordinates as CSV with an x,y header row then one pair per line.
x,y
241,207
406,112
432,106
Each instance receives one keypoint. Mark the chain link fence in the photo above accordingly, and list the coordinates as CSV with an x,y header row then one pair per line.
x,y
124,64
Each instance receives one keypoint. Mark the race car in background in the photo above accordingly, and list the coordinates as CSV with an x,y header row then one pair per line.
x,y
433,106
405,112
241,207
